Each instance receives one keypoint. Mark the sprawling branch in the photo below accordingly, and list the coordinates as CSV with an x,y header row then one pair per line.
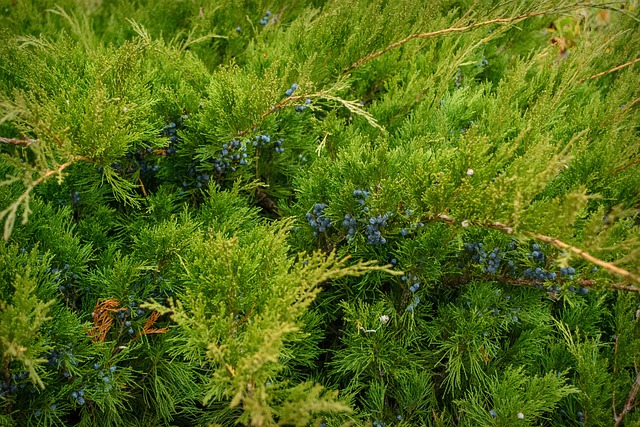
x,y
473,26
612,70
630,405
16,141
610,267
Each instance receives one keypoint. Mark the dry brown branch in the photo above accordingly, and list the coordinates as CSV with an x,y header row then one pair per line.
x,y
144,191
630,405
614,69
628,165
455,30
102,318
148,326
16,141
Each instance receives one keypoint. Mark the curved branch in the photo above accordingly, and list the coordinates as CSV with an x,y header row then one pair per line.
x,y
610,267
614,69
16,141
462,29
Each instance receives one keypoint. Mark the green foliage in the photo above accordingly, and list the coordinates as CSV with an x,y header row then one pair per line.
x,y
319,213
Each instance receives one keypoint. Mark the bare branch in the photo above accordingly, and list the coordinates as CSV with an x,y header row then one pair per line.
x,y
16,141
630,405
461,29
606,265
610,267
614,69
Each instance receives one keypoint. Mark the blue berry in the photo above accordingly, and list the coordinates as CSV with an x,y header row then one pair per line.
x,y
131,331
96,366
493,413
74,395
81,401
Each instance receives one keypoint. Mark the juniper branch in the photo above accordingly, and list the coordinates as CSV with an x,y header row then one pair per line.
x,y
612,70
606,265
16,141
561,245
630,405
450,30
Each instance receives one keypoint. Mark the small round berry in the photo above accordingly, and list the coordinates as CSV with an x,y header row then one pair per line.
x,y
493,413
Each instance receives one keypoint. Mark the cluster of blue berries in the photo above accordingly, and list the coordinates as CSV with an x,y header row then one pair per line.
x,y
412,281
75,197
374,234
231,155
261,140
350,223
56,357
106,377
78,397
377,423
279,148
171,132
290,91
540,274
458,79
361,196
317,220
483,62
414,303
66,278
490,261
265,18
301,108
141,164
14,384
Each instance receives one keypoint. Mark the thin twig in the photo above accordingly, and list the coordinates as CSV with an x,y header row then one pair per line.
x,y
621,168
273,109
16,141
614,69
562,245
630,405
453,30
144,192
606,265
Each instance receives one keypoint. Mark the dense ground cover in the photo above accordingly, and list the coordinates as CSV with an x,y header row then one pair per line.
x,y
319,213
